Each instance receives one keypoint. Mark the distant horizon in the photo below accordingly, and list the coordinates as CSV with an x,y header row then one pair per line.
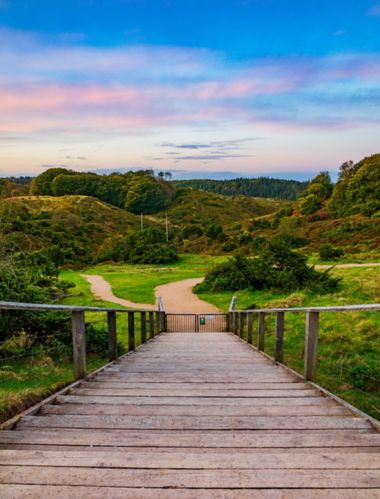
x,y
179,175
247,87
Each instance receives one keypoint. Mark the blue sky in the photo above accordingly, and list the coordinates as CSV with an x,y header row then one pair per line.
x,y
252,87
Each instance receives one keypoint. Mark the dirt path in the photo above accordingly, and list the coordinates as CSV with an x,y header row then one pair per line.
x,y
347,265
176,296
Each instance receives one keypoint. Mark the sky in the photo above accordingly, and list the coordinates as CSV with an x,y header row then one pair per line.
x,y
212,88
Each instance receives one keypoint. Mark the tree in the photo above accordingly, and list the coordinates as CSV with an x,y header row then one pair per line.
x,y
42,185
148,195
315,194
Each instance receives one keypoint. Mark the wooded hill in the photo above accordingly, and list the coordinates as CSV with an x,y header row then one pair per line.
x,y
84,217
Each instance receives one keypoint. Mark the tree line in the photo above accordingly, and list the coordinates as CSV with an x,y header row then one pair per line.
x,y
254,187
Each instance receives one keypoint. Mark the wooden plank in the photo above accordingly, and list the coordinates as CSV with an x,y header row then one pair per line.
x,y
191,459
120,384
18,491
250,439
192,410
192,423
263,478
199,401
205,392
261,331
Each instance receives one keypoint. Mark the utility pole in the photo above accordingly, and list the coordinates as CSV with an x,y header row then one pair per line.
x,y
141,223
167,228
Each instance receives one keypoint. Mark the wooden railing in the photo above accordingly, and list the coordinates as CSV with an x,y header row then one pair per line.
x,y
152,323
241,319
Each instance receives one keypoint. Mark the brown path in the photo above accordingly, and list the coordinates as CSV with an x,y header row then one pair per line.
x,y
176,296
347,265
192,415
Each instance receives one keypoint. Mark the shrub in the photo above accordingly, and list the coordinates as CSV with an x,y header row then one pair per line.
x,y
328,252
277,267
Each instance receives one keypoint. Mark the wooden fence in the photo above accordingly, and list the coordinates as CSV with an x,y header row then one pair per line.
x,y
152,323
242,320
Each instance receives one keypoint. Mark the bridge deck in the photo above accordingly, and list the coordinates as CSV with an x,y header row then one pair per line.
x,y
192,415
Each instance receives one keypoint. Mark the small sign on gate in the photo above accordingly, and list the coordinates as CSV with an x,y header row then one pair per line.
x,y
202,321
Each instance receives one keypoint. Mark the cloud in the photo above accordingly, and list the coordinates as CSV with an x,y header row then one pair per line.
x,y
82,158
374,10
61,87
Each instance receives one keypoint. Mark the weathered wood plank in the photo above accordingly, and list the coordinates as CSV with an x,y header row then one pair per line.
x,y
191,459
120,384
262,478
193,410
205,392
297,439
200,401
13,491
194,422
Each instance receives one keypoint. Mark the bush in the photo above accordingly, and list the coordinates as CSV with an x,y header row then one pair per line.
x,y
97,341
328,252
277,267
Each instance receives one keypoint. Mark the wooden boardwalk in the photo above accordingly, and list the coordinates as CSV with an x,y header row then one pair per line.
x,y
192,415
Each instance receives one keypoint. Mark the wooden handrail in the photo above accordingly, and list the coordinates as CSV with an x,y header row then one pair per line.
x,y
236,320
157,324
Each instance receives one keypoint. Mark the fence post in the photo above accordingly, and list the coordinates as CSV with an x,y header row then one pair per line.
x,y
280,323
241,324
158,325
131,331
143,327
79,344
228,322
261,331
311,344
112,335
151,325
249,327
236,322
163,321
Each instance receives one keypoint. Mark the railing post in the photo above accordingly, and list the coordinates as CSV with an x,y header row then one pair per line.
x,y
241,324
143,327
131,331
236,322
112,335
280,323
261,331
158,326
249,327
228,321
311,344
79,344
151,325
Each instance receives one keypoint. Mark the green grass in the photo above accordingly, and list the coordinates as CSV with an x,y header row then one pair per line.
x,y
24,383
137,282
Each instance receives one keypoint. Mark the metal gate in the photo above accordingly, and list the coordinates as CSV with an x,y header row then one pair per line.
x,y
196,323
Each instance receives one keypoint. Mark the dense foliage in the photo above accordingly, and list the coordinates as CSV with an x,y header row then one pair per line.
x,y
315,194
328,252
149,246
138,192
31,278
357,189
254,187
278,267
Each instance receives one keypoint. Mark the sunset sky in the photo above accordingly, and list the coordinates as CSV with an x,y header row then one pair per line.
x,y
216,88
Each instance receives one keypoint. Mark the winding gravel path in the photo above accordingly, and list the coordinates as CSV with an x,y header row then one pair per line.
x,y
178,297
